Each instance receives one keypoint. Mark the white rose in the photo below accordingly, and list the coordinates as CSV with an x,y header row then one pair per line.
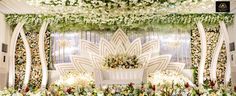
x,y
113,91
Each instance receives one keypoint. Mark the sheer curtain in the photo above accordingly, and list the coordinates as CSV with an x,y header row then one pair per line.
x,y
174,42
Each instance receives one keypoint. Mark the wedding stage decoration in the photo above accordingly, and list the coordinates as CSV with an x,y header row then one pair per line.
x,y
169,87
120,59
113,61
102,63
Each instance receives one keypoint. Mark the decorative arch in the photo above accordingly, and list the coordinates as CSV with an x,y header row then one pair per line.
x,y
19,30
224,31
215,56
28,59
203,52
43,61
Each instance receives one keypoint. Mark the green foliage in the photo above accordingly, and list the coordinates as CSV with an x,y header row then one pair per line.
x,y
109,3
122,61
76,22
195,75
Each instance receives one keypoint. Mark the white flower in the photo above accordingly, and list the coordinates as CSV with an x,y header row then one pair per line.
x,y
72,1
169,76
113,91
172,1
74,79
100,93
104,87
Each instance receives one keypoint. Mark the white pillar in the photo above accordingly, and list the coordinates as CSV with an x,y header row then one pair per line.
x,y
43,61
232,35
215,56
12,53
5,35
203,53
223,29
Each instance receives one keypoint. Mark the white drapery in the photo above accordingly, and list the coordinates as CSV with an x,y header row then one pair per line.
x,y
172,41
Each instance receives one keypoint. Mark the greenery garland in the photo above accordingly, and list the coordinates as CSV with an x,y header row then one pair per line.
x,y
118,7
110,3
76,22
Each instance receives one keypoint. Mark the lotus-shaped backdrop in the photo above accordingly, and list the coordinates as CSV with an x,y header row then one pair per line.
x,y
92,56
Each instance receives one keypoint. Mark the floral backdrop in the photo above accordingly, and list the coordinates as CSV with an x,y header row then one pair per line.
x,y
20,63
109,15
172,41
36,74
212,35
36,68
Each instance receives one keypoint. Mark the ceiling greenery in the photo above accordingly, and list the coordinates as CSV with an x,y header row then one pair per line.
x,y
110,3
76,22
73,15
122,7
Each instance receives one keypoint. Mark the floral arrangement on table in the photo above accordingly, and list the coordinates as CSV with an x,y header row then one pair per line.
x,y
121,61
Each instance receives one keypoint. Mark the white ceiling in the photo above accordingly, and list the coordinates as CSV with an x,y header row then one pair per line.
x,y
21,7
15,6
233,6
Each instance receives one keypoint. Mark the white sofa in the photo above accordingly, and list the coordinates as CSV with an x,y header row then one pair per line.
x,y
119,76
